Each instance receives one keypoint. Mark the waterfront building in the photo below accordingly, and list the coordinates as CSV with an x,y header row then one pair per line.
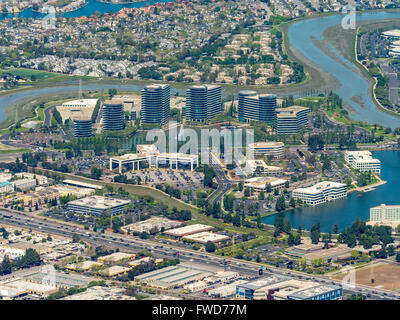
x,y
155,104
113,115
96,205
383,214
148,156
320,193
363,161
81,127
292,119
268,148
252,106
203,102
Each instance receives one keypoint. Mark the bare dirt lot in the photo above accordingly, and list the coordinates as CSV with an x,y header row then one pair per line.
x,y
385,275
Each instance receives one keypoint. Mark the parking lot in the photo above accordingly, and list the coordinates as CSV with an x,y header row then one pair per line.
x,y
179,179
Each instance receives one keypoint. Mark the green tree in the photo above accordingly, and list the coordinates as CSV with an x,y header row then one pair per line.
x,y
210,246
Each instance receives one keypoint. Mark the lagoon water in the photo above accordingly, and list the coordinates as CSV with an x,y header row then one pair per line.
x,y
344,212
301,35
91,7
351,83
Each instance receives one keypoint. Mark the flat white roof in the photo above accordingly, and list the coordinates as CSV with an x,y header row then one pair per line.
x,y
317,188
190,229
266,144
82,184
204,237
99,202
263,181
81,102
363,156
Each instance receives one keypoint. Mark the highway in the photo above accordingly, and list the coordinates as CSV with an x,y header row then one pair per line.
x,y
224,183
134,244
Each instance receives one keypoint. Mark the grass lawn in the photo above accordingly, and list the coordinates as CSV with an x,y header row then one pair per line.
x,y
27,73
134,190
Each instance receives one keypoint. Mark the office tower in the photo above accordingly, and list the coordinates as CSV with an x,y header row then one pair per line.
x,y
203,102
155,104
81,127
113,115
252,106
292,119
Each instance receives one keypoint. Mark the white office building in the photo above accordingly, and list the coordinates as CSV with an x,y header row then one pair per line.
x,y
388,215
268,148
24,184
148,156
320,193
363,161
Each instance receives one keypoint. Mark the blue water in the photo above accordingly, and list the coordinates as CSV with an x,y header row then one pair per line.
x,y
351,83
344,212
88,10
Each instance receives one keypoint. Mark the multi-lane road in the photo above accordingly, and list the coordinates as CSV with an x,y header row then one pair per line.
x,y
134,244
224,183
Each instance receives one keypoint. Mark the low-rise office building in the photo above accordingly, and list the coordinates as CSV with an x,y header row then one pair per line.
x,y
258,184
260,167
383,214
268,148
150,157
24,184
6,187
96,205
116,257
40,197
152,224
320,193
41,180
363,161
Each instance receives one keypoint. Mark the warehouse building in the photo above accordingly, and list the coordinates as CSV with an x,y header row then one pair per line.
x,y
173,276
188,230
96,205
204,237
285,288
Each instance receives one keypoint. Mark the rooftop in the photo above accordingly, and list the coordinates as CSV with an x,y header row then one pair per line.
x,y
99,202
317,188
